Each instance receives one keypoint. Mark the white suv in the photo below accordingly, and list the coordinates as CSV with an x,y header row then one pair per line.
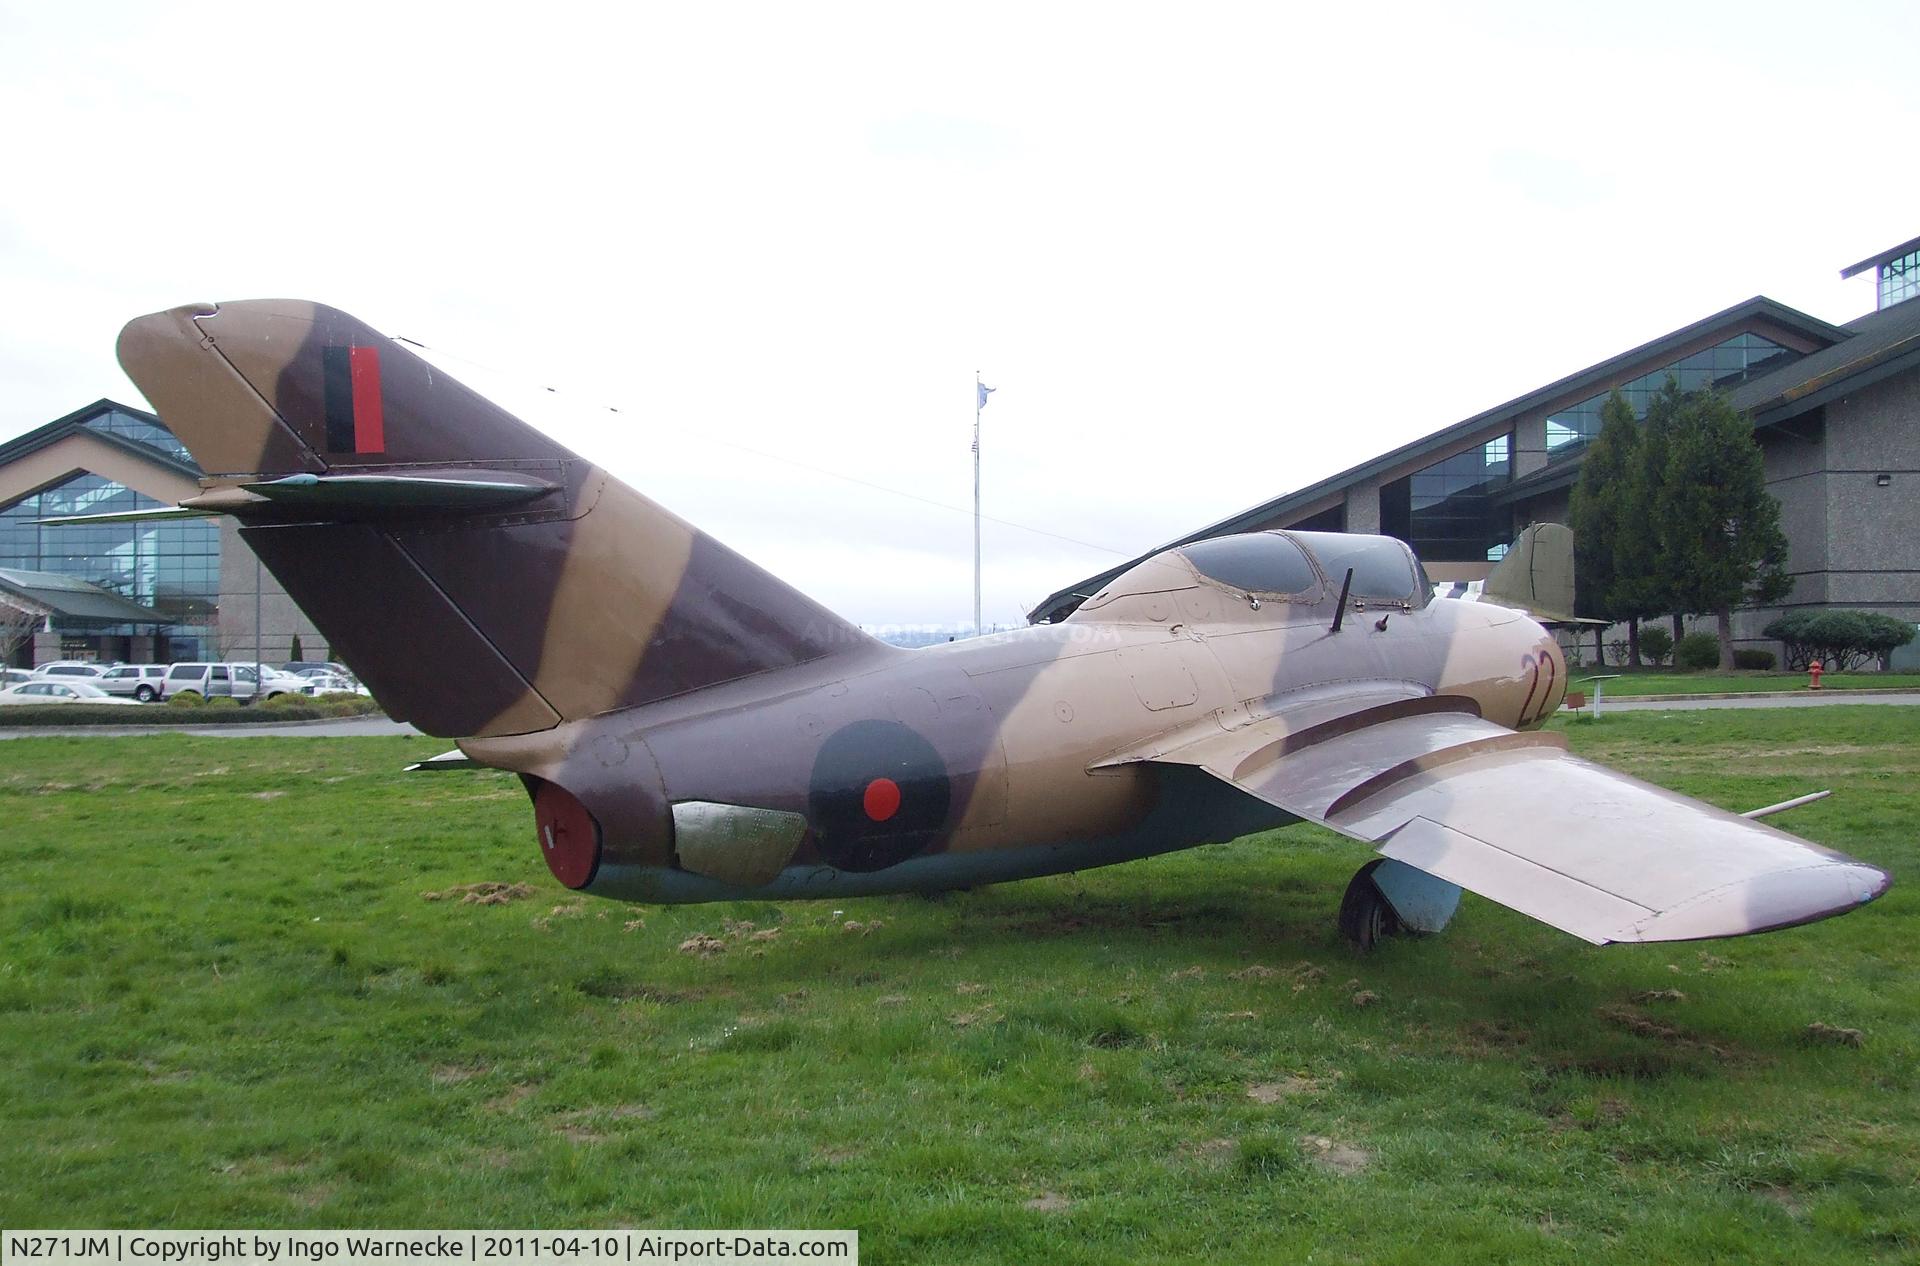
x,y
227,681
142,681
70,670
213,681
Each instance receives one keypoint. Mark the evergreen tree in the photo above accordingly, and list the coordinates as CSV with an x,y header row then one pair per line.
x,y
294,652
1719,527
1640,586
1601,503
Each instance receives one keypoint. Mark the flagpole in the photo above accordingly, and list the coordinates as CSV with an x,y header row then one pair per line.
x,y
979,398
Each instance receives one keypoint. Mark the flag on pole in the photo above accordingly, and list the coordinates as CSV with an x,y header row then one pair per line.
x,y
985,391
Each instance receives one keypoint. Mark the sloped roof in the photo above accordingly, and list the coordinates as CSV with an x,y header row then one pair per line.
x,y
1887,256
1574,386
76,599
1878,344
73,423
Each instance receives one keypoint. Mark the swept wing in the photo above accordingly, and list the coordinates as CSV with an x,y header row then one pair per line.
x,y
1516,818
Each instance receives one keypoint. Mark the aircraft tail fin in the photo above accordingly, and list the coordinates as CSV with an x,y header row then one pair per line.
x,y
479,577
1536,575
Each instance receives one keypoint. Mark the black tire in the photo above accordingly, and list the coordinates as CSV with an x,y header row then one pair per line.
x,y
143,694
1366,916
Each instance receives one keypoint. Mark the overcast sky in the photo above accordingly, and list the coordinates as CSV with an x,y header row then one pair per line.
x,y
1207,254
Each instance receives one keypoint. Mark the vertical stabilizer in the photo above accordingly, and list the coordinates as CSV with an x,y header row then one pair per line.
x,y
482,579
1536,576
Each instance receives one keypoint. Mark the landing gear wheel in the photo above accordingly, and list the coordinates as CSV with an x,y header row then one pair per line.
x,y
1366,916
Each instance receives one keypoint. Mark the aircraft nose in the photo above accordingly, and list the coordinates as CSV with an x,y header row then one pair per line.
x,y
1538,677
1553,673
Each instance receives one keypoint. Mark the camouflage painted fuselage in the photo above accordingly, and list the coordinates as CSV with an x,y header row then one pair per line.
x,y
691,728
996,744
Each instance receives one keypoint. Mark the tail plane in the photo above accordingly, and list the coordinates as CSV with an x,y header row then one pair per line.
x,y
479,577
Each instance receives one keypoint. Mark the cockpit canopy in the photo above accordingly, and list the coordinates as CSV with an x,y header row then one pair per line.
x,y
1300,568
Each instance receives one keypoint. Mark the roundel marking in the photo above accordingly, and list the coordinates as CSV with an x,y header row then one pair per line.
x,y
879,795
881,799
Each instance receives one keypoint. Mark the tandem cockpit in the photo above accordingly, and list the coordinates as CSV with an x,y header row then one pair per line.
x,y
1273,576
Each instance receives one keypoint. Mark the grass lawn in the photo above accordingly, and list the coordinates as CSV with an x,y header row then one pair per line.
x,y
1658,681
224,1001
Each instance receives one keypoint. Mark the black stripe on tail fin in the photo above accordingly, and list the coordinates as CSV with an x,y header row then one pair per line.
x,y
481,578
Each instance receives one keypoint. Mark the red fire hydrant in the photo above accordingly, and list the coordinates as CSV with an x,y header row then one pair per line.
x,y
1813,674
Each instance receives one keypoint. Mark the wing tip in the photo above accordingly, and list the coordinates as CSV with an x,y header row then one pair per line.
x,y
1767,903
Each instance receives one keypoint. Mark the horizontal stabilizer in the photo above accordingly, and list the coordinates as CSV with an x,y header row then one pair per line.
x,y
456,759
342,496
158,515
396,492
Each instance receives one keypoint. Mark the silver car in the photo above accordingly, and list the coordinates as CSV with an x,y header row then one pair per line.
x,y
59,692
142,681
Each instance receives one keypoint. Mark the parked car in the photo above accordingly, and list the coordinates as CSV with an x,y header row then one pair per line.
x,y
142,681
14,676
301,667
58,692
283,683
211,680
229,680
324,683
69,670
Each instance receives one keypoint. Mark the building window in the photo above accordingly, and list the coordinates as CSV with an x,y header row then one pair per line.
x,y
140,431
1447,511
1900,279
172,565
1724,365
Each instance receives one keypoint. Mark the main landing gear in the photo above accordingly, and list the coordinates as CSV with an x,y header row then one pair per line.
x,y
1389,898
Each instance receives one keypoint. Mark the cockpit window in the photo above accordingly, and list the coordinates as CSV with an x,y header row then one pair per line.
x,y
1381,565
1258,562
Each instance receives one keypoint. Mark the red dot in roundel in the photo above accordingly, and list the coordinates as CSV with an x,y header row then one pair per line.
x,y
882,799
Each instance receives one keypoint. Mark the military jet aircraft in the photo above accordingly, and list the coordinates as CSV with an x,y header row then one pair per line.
x,y
689,728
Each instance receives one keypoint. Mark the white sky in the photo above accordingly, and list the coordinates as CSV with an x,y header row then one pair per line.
x,y
1207,253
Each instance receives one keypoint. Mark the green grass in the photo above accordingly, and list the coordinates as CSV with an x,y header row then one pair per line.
x,y
224,1001
1641,681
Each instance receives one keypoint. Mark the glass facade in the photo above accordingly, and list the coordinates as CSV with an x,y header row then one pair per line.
x,y
1900,279
172,566
140,431
1734,361
1447,512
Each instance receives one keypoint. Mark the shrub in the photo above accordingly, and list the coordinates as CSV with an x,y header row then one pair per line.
x,y
1697,651
1655,644
1762,660
1841,640
1618,651
223,701
343,703
287,700
186,699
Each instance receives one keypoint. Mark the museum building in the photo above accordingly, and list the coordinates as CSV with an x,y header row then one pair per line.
x,y
179,589
1835,410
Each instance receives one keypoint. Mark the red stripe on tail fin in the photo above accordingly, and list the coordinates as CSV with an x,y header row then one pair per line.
x,y
369,425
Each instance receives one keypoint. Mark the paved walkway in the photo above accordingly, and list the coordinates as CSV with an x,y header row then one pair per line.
x,y
344,727
1655,703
